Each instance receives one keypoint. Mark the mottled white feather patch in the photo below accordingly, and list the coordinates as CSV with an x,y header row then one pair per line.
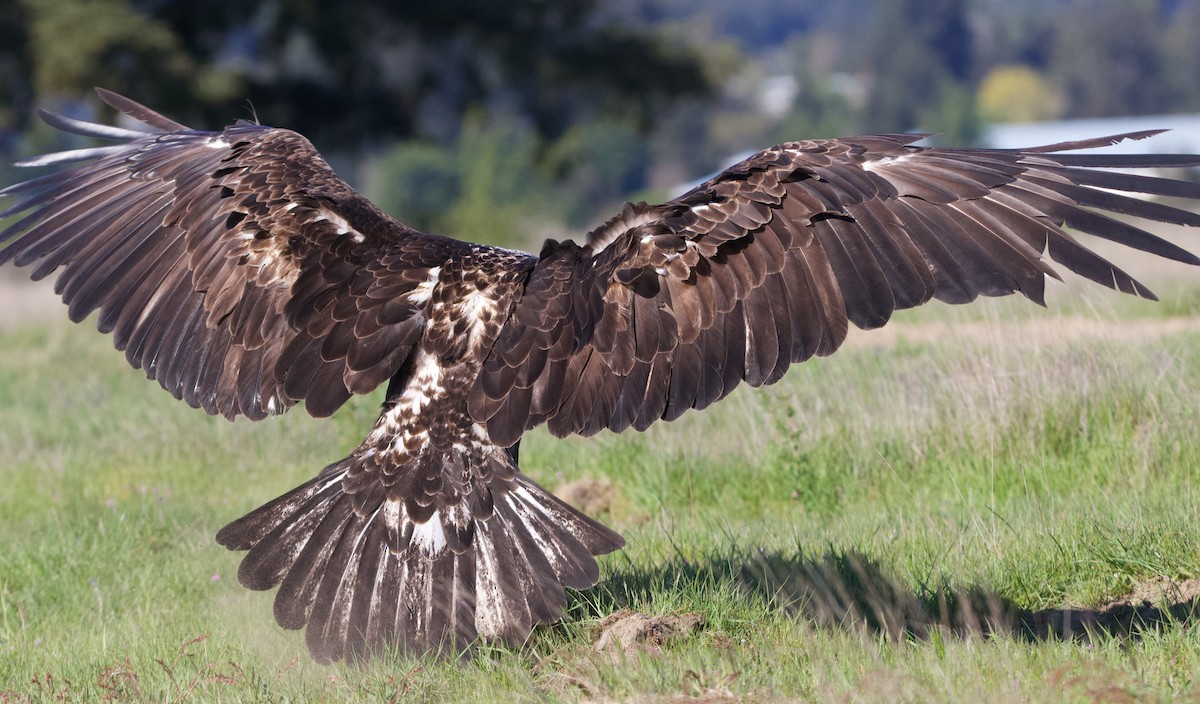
x,y
421,292
392,515
398,429
476,303
342,225
477,307
886,161
489,595
525,505
429,536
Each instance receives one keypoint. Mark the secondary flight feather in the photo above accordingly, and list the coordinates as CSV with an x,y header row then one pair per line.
x,y
237,270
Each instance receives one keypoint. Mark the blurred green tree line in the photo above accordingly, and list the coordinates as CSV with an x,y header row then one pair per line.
x,y
497,119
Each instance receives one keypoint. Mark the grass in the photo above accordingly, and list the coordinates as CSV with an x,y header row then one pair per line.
x,y
946,510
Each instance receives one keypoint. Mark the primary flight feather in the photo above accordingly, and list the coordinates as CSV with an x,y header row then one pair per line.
x,y
239,271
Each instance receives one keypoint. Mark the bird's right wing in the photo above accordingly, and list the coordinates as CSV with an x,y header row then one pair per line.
x,y
669,307
234,267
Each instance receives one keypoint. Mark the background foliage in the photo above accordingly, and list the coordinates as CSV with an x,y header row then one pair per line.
x,y
576,104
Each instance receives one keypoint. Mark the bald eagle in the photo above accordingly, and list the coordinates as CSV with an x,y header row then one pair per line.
x,y
241,273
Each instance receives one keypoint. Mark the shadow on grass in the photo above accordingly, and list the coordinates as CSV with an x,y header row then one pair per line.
x,y
849,591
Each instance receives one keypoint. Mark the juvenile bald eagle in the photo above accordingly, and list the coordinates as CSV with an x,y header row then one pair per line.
x,y
236,269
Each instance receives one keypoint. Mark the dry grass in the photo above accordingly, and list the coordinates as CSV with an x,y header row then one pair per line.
x,y
27,302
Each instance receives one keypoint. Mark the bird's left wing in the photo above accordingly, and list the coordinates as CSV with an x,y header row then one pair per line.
x,y
669,307
234,267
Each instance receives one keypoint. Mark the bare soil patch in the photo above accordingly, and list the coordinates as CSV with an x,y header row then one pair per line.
x,y
592,496
1151,604
1157,590
631,632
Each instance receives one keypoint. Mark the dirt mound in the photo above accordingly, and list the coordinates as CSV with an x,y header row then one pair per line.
x,y
631,632
1157,590
1151,604
591,496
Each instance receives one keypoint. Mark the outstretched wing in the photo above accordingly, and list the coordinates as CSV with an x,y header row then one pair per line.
x,y
234,267
669,307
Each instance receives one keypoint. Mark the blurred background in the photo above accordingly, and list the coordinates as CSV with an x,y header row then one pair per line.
x,y
506,121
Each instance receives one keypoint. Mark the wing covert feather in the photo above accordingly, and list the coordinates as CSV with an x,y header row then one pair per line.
x,y
669,307
234,267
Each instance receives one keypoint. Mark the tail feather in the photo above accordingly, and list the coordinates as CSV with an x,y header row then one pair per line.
x,y
371,563
243,533
263,568
329,624
365,575
565,536
298,587
383,621
502,608
546,599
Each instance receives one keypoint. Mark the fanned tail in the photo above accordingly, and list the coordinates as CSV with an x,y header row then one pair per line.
x,y
366,575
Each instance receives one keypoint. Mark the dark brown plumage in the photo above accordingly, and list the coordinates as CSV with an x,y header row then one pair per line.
x,y
236,269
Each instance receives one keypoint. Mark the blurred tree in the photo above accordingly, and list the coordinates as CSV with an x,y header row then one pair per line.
x,y
79,43
15,72
1108,59
72,45
1182,57
954,120
499,187
598,163
355,71
918,50
758,26
576,102
417,181
1015,32
680,147
1017,94
818,111
480,187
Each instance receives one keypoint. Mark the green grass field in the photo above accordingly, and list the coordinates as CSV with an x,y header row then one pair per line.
x,y
995,503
